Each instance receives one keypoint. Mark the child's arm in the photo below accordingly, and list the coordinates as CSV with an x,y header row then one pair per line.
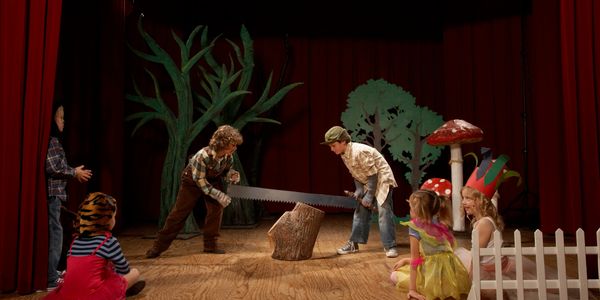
x,y
111,250
485,229
415,256
402,262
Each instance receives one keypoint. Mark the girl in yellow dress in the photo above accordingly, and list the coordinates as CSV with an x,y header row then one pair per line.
x,y
432,271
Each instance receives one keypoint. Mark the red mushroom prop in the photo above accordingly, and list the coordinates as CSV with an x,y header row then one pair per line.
x,y
455,133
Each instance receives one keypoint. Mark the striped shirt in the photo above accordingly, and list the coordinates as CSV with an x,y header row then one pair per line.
x,y
57,170
206,166
110,250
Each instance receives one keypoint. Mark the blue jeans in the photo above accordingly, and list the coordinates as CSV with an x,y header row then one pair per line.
x,y
361,223
55,237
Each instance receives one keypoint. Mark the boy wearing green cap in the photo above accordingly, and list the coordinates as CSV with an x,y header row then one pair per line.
x,y
374,180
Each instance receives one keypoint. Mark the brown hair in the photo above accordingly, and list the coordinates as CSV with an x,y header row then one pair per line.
x,y
225,136
427,204
484,206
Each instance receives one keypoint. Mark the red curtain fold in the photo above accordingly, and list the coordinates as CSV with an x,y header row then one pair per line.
x,y
30,43
12,56
579,25
565,39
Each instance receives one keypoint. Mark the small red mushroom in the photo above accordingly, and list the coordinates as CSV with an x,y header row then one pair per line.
x,y
454,133
440,186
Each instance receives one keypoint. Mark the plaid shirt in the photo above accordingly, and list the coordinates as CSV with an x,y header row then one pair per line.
x,y
363,161
57,170
206,166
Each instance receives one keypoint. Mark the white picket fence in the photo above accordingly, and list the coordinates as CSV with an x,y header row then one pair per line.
x,y
541,284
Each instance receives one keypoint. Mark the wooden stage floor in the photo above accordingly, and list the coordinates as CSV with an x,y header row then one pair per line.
x,y
247,271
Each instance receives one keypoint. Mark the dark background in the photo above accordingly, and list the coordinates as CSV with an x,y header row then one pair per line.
x,y
462,59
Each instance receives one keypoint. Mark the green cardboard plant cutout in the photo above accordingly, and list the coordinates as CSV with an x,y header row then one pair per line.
x,y
224,89
385,116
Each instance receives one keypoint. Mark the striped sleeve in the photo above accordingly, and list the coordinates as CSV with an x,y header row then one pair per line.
x,y
110,250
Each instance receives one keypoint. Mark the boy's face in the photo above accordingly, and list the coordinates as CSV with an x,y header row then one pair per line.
x,y
59,118
228,150
338,147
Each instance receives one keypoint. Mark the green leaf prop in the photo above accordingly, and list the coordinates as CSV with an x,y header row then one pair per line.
x,y
219,102
385,116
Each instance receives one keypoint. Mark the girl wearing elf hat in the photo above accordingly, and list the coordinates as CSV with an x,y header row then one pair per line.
x,y
478,202
477,195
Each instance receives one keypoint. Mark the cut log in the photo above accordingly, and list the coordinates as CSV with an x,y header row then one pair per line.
x,y
295,233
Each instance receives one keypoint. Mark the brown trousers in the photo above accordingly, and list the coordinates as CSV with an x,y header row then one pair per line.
x,y
188,196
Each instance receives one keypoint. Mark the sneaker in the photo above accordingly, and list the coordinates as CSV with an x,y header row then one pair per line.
x,y
135,289
349,247
391,252
53,285
152,253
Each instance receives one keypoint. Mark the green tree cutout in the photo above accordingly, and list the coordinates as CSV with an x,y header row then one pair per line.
x,y
385,116
224,89
241,212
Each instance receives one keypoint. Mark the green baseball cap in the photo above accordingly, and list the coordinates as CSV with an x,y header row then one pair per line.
x,y
334,134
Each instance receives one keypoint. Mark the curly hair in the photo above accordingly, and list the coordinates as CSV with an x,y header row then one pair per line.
x,y
224,137
483,206
427,204
96,213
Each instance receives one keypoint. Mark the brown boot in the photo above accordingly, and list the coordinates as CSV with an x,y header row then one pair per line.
x,y
210,246
214,251
153,252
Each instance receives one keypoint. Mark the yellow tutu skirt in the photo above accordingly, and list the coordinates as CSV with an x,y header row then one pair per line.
x,y
440,276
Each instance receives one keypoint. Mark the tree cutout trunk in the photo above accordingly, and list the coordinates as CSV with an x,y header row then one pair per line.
x,y
295,233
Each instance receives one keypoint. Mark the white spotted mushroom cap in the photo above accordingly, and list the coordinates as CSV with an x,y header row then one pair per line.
x,y
441,186
455,132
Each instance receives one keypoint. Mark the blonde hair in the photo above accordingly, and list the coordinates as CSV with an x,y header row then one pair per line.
x,y
225,136
427,204
484,206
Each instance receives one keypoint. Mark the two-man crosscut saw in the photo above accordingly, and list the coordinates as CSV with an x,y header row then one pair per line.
x,y
265,194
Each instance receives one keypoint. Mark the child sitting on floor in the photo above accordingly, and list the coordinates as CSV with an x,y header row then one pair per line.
x,y
433,271
96,267
477,201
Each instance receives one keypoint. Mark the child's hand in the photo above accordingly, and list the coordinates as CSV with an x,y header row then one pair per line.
x,y
224,199
401,263
82,175
233,176
412,294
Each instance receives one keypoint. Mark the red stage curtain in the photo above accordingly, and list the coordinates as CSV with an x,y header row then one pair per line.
x,y
575,201
565,37
29,36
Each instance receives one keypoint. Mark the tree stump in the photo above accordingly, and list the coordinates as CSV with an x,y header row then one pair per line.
x,y
295,233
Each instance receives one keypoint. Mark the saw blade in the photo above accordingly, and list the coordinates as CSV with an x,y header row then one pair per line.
x,y
265,194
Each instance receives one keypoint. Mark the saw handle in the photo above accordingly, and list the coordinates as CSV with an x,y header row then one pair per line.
x,y
350,194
